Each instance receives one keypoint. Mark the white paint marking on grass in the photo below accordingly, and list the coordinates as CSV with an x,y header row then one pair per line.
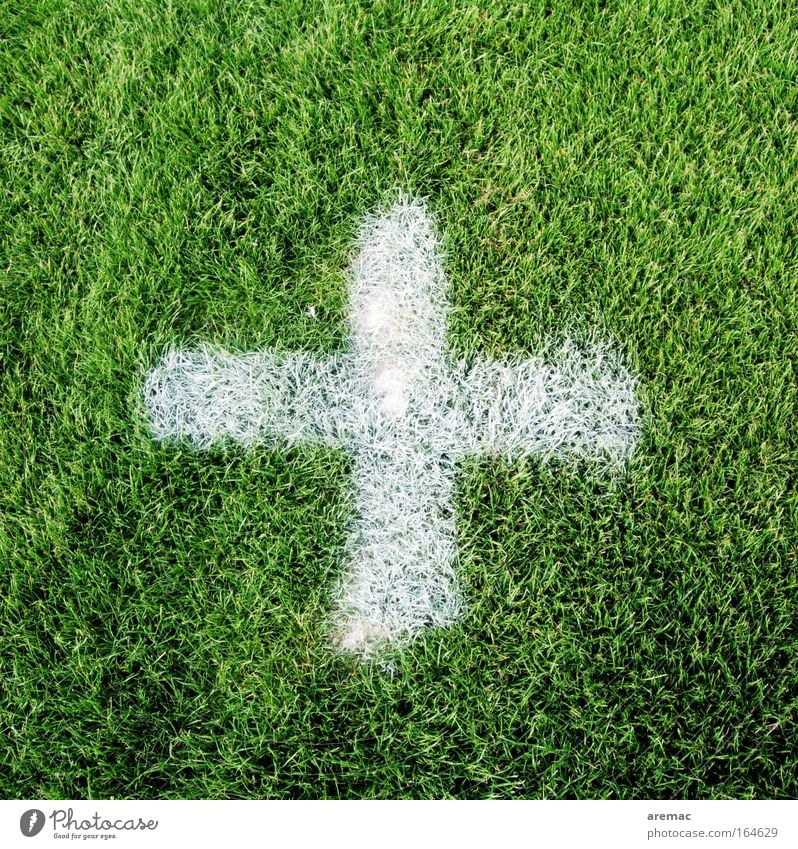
x,y
407,412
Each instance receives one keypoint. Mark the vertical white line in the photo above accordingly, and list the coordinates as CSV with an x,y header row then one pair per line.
x,y
400,574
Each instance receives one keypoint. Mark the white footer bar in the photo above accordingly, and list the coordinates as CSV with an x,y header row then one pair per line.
x,y
371,824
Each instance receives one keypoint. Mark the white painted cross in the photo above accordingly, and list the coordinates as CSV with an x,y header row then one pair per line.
x,y
407,412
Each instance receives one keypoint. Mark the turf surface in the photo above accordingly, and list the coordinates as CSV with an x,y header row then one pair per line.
x,y
176,172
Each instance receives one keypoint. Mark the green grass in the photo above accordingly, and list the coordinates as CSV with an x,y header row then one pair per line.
x,y
195,171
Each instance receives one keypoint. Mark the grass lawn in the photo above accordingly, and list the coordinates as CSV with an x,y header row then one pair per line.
x,y
172,172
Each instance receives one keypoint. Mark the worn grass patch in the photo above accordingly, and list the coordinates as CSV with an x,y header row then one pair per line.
x,y
177,173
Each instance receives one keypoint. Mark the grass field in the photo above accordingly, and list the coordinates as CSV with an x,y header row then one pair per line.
x,y
183,171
